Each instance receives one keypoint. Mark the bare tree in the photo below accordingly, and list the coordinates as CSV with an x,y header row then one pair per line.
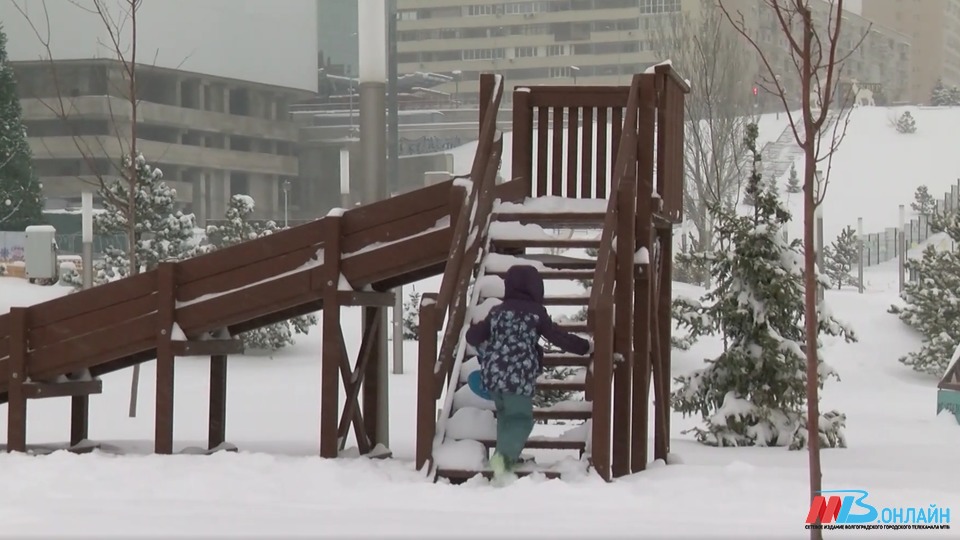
x,y
702,45
814,50
119,20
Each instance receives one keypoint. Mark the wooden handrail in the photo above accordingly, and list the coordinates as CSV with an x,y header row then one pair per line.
x,y
470,228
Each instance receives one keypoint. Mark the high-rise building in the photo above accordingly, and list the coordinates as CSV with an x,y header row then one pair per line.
x,y
589,41
934,30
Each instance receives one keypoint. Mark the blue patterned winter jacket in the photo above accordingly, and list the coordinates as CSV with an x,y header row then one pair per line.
x,y
507,339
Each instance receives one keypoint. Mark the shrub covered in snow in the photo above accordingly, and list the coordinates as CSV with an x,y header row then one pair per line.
x,y
932,303
754,393
237,228
923,202
906,124
840,258
411,317
793,181
162,233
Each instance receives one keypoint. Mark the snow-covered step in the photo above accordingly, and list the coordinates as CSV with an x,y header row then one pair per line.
x,y
552,205
499,262
464,398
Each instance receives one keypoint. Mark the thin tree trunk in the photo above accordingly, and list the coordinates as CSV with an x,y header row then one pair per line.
x,y
132,171
809,260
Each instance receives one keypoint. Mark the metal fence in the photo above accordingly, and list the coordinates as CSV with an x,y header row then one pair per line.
x,y
881,247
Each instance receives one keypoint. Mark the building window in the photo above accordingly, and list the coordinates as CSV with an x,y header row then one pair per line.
x,y
659,6
524,52
483,54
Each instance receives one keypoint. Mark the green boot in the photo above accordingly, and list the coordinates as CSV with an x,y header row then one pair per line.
x,y
502,469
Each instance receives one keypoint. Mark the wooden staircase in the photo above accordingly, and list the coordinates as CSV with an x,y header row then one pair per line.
x,y
473,419
631,207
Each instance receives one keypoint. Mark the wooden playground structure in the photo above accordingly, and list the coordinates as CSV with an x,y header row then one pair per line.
x,y
632,162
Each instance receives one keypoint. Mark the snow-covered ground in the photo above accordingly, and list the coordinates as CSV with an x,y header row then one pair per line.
x,y
899,451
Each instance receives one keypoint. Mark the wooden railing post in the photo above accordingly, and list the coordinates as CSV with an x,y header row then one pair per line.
x,y
602,382
426,387
330,347
17,366
522,167
166,296
623,333
642,289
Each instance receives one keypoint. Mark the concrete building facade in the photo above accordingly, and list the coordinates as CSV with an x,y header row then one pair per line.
x,y
215,80
590,41
213,137
933,27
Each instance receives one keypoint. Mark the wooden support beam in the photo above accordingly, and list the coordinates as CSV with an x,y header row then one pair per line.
x,y
80,418
17,373
34,390
330,348
353,380
217,424
661,443
371,379
166,296
213,347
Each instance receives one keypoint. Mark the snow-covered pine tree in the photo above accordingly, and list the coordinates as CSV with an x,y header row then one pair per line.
x,y
237,228
754,392
21,200
906,124
793,181
932,303
953,96
923,203
163,233
840,258
411,316
940,95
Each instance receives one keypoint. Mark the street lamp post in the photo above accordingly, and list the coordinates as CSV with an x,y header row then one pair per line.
x,y
457,75
574,70
286,199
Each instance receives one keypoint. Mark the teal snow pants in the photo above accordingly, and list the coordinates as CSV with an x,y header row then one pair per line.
x,y
514,424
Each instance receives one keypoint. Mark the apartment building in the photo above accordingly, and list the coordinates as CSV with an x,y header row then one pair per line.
x,y
933,27
528,42
213,137
593,41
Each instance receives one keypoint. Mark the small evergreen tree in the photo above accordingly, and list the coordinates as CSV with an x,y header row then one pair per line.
x,y
163,233
940,95
932,303
923,203
793,181
841,257
21,201
906,124
953,96
237,228
754,393
411,316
